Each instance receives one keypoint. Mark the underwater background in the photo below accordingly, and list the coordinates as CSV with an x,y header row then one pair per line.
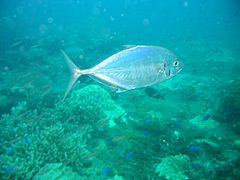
x,y
187,127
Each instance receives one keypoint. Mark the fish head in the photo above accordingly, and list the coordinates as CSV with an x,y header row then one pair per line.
x,y
172,67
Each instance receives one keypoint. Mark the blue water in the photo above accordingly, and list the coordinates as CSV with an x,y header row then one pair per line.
x,y
191,121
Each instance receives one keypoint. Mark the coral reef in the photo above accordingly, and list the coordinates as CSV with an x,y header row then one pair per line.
x,y
184,128
52,141
175,168
89,105
228,110
53,135
3,103
56,171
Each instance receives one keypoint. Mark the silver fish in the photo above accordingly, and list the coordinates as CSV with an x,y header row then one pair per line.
x,y
133,68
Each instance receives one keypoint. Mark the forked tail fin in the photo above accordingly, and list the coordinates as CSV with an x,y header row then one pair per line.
x,y
75,73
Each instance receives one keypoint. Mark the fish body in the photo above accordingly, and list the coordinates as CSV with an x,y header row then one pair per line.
x,y
9,169
27,140
206,117
195,149
128,156
9,152
105,171
133,68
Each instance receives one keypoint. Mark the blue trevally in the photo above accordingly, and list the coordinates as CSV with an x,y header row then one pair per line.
x,y
133,68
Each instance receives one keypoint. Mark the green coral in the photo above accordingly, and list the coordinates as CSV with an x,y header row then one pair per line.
x,y
51,141
175,167
58,134
89,105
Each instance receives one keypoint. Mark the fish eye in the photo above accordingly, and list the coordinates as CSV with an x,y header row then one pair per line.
x,y
175,63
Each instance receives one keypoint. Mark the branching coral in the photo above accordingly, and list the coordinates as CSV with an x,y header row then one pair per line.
x,y
88,105
30,139
35,142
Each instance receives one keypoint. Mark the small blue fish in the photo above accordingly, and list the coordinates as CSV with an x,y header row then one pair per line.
x,y
128,156
9,169
9,152
206,117
195,149
195,165
27,140
101,129
105,171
